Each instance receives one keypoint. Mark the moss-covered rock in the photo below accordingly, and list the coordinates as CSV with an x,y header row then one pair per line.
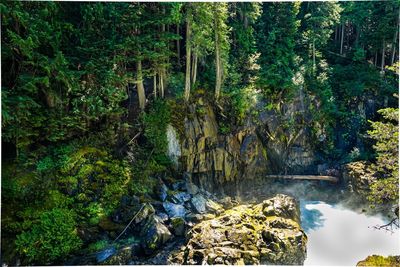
x,y
246,235
154,234
376,260
357,177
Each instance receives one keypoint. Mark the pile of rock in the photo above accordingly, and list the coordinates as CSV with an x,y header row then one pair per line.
x,y
267,233
179,206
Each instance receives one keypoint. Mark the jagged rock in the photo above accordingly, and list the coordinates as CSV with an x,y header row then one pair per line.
x,y
144,213
191,188
199,203
281,206
154,234
194,217
219,162
213,207
180,185
178,226
244,235
105,254
162,191
174,210
180,197
226,202
163,216
124,255
356,176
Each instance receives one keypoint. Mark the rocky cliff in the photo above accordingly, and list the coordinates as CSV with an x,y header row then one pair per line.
x,y
219,162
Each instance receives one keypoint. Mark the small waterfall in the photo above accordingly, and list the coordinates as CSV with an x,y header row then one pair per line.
x,y
174,149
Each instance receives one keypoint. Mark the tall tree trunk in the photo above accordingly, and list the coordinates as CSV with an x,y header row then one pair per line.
x,y
376,58
393,55
161,78
218,78
383,55
341,39
163,69
394,45
336,34
178,45
155,85
188,55
313,54
194,67
140,86
357,35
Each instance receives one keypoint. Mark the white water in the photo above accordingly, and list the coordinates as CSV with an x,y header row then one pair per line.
x,y
174,149
342,237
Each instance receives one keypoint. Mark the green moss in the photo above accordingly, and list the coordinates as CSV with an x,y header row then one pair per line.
x,y
52,237
376,260
98,245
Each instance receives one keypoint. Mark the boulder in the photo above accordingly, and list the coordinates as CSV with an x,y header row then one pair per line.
x,y
174,210
103,255
153,235
198,203
191,188
161,191
180,197
124,255
245,235
213,207
178,226
146,211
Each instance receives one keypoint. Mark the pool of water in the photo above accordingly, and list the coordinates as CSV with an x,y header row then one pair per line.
x,y
338,235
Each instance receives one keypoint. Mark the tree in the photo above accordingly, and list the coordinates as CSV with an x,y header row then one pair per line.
x,y
189,19
276,33
220,11
386,168
318,19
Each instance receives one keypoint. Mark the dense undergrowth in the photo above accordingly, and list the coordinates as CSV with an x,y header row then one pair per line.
x,y
77,143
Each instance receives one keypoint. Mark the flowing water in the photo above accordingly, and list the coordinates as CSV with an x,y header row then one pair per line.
x,y
338,235
340,227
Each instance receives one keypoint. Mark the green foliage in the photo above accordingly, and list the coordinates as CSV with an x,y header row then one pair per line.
x,y
98,245
52,238
155,123
276,41
386,167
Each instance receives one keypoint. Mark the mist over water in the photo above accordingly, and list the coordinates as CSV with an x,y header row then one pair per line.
x,y
341,236
339,226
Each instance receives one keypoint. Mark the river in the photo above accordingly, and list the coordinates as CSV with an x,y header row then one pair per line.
x,y
338,235
340,227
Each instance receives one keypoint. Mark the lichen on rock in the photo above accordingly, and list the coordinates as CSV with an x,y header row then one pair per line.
x,y
248,234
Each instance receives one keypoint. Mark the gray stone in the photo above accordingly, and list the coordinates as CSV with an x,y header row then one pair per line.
x,y
105,254
180,197
144,213
154,234
174,210
192,188
178,226
199,203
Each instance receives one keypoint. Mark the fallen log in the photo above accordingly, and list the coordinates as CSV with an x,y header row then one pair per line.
x,y
332,179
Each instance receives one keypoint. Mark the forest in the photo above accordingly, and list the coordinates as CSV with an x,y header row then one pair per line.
x,y
131,128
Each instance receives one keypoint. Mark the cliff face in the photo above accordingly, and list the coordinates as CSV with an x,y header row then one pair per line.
x,y
218,162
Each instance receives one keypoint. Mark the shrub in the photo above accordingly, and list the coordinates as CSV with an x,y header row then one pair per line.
x,y
53,237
